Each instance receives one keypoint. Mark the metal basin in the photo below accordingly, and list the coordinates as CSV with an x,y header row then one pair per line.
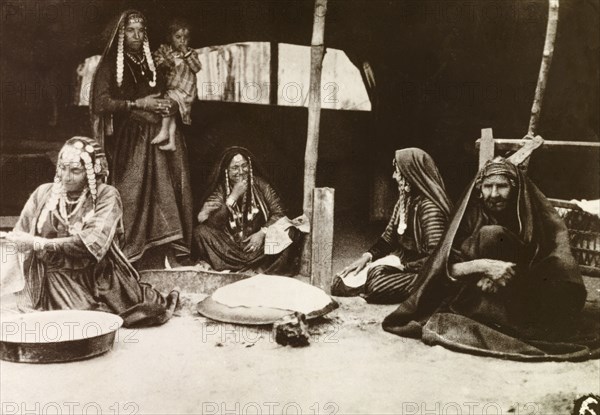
x,y
57,336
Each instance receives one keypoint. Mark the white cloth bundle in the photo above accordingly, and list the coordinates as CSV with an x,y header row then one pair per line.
x,y
356,279
277,237
589,206
12,278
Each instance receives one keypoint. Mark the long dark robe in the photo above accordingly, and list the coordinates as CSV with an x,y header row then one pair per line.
x,y
87,270
533,317
154,184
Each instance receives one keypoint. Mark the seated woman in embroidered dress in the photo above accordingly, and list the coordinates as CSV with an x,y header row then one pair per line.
x,y
238,208
414,230
70,232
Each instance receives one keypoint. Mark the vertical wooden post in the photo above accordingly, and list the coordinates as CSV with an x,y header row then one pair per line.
x,y
274,68
314,118
322,238
536,108
486,146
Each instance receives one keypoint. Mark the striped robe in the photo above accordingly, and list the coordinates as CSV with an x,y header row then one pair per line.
x,y
425,225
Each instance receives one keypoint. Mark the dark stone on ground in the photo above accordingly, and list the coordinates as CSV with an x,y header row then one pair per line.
x,y
292,330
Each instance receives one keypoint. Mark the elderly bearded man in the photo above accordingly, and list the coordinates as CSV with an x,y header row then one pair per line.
x,y
503,280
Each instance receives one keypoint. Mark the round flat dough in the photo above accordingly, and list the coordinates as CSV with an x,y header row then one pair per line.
x,y
264,299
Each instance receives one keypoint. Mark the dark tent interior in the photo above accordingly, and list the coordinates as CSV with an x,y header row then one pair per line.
x,y
442,71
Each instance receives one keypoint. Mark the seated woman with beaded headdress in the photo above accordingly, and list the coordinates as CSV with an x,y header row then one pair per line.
x,y
237,209
69,232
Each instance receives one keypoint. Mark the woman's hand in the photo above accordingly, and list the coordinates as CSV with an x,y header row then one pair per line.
x,y
206,210
356,266
254,242
24,242
238,189
154,104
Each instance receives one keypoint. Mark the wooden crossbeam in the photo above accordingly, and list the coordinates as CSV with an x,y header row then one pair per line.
x,y
525,151
508,144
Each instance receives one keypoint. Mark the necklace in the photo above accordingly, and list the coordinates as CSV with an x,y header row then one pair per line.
x,y
72,202
138,62
135,59
62,205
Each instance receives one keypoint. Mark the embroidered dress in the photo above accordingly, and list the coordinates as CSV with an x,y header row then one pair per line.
x,y
85,269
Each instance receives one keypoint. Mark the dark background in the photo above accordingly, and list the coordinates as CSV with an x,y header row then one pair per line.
x,y
443,70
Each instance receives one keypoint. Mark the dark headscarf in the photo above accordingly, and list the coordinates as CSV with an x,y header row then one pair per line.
x,y
217,176
420,170
254,201
498,166
524,210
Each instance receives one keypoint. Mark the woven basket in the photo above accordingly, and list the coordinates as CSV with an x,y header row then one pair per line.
x,y
584,233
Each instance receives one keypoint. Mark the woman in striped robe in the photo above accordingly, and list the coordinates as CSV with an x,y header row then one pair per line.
x,y
385,273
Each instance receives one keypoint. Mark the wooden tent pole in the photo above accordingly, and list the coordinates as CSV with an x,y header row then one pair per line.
x,y
311,153
314,105
544,67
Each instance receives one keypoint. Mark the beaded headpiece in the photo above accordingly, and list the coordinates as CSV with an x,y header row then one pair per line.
x,y
135,18
82,150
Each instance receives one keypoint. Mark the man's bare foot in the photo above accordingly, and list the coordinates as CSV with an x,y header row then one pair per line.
x,y
160,137
168,147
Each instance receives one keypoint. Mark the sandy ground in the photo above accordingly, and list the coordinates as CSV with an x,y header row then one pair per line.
x,y
192,365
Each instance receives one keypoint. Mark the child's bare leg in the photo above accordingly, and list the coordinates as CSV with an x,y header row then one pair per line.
x,y
170,146
163,134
